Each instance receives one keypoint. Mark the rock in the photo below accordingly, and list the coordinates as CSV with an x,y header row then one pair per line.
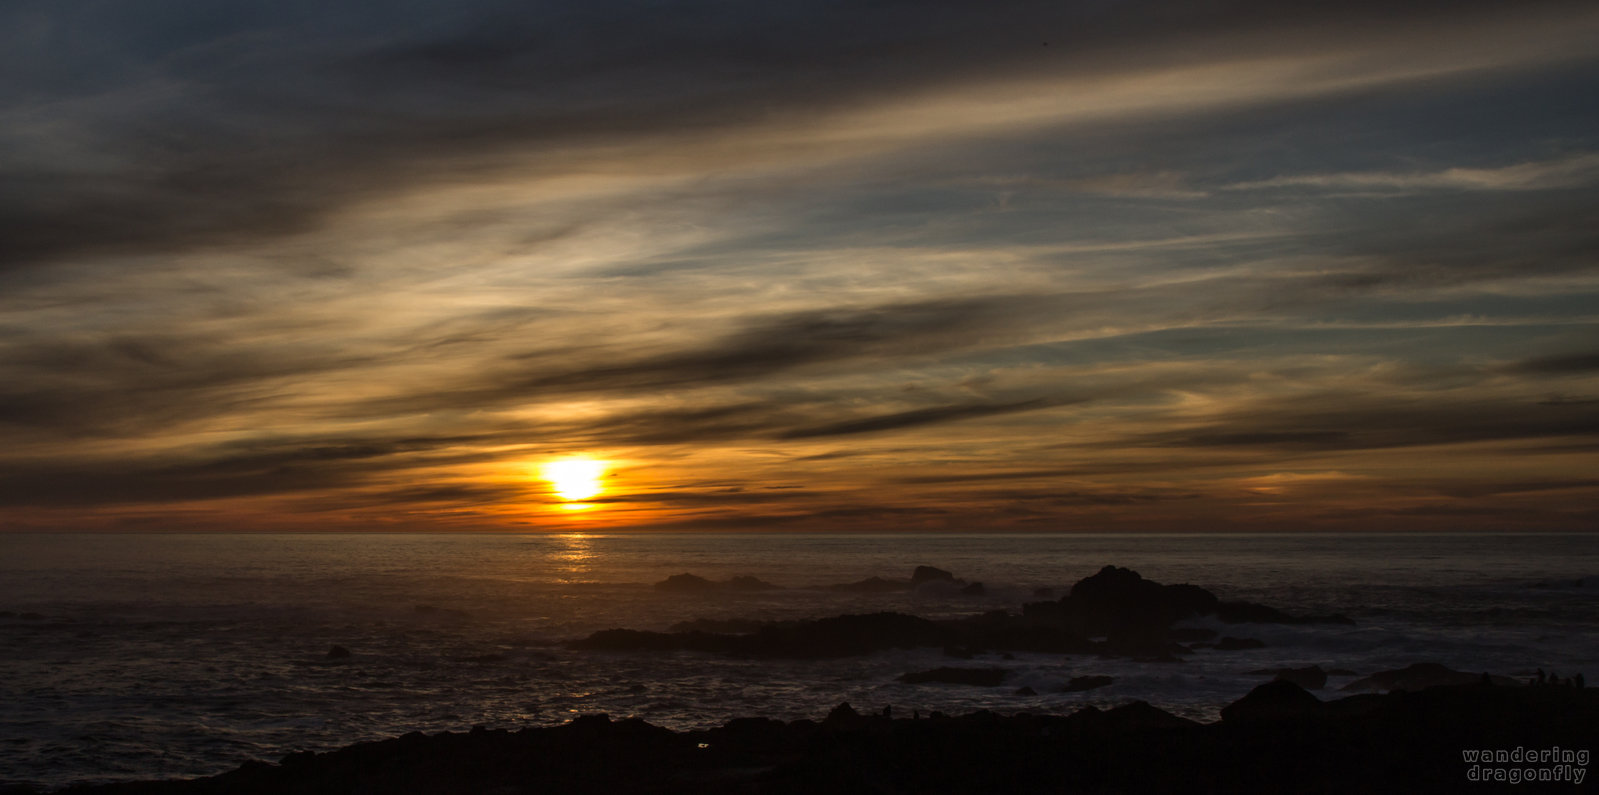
x,y
693,583
1140,716
1119,601
873,585
1408,742
843,716
1239,644
981,677
1091,682
974,589
685,582
1277,700
925,574
1025,691
1420,676
1310,677
1191,634
337,652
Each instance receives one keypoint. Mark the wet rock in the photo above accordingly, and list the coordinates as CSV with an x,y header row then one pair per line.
x,y
1239,644
1420,676
693,583
685,582
926,574
974,589
1278,700
337,652
1091,682
1025,691
873,585
980,677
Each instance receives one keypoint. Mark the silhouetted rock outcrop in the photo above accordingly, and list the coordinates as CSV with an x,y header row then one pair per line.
x,y
1115,612
693,583
1419,676
337,652
1276,700
1276,739
1090,682
926,574
873,585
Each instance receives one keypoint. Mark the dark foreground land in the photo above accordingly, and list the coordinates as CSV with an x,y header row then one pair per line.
x,y
1279,738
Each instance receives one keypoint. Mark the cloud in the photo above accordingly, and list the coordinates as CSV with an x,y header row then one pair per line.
x,y
917,418
1569,172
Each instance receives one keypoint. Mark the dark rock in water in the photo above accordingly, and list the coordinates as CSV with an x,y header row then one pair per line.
x,y
1277,700
1134,617
1025,691
961,652
873,585
337,652
924,574
1396,743
1310,677
685,582
974,589
1190,634
981,677
1239,644
1091,682
1420,676
1340,672
693,583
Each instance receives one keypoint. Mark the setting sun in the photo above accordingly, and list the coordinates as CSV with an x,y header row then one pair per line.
x,y
575,479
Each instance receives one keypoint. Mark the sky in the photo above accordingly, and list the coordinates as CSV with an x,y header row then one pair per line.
x,y
872,266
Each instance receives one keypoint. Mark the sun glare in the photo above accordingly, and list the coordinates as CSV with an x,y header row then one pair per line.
x,y
575,479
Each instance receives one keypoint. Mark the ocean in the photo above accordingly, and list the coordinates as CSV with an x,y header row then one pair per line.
x,y
143,656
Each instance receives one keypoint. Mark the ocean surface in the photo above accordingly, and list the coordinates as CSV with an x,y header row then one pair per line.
x,y
156,656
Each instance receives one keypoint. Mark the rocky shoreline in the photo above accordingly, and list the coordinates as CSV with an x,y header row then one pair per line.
x,y
1278,738
1406,730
